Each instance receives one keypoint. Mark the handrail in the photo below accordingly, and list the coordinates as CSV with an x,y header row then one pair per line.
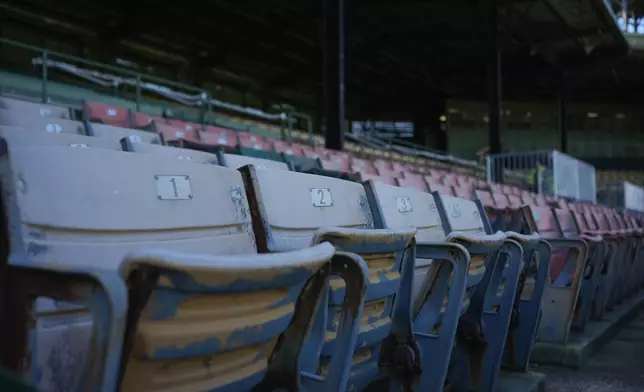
x,y
138,81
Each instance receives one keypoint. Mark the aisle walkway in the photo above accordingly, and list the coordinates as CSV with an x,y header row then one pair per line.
x,y
617,367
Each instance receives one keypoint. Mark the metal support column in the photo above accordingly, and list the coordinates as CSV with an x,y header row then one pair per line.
x,y
494,89
334,74
561,123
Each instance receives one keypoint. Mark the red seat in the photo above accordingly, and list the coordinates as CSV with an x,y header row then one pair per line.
x,y
142,120
184,125
107,114
249,140
218,136
288,147
171,133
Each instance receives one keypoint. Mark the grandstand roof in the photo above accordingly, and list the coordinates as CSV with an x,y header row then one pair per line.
x,y
403,49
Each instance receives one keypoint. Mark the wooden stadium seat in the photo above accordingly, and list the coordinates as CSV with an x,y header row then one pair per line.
x,y
319,208
236,161
591,276
288,148
566,267
118,133
172,134
374,177
251,141
153,219
218,136
44,123
103,113
34,109
492,293
414,182
16,137
127,144
142,120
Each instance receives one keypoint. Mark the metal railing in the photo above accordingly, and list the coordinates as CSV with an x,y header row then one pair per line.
x,y
621,194
190,96
551,173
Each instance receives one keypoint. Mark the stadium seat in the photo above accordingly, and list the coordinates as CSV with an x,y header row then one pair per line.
x,y
99,112
34,109
253,142
142,120
32,138
533,277
414,182
447,190
287,148
218,136
385,180
118,133
591,276
586,227
440,277
236,161
118,212
567,265
130,145
244,315
319,208
622,265
483,328
633,244
48,124
171,133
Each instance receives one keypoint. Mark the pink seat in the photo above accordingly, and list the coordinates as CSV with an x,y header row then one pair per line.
x,y
288,147
335,165
416,182
515,200
485,197
500,200
218,136
359,165
442,189
375,178
310,152
388,173
464,192
383,165
402,167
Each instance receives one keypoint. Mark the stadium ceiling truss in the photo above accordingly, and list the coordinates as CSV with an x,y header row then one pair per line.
x,y
404,48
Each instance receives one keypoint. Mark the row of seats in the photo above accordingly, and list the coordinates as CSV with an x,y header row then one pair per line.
x,y
191,275
100,118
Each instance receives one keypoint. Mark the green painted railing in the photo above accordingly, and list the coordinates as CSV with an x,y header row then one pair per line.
x,y
205,110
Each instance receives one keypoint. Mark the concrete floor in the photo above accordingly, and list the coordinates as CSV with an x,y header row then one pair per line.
x,y
617,367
